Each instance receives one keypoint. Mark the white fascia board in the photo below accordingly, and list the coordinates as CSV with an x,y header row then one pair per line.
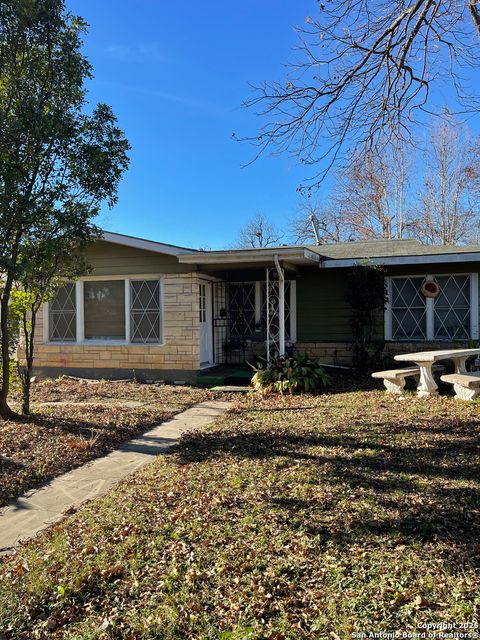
x,y
445,258
147,245
311,255
248,256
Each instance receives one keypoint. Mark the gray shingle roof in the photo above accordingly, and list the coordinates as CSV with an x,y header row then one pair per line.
x,y
386,248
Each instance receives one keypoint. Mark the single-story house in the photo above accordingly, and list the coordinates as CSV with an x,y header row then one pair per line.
x,y
159,311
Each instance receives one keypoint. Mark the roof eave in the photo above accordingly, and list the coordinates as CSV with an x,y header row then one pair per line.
x,y
333,263
147,245
299,255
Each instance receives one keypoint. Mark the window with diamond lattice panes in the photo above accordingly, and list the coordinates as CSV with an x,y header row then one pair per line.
x,y
409,314
63,315
452,308
145,311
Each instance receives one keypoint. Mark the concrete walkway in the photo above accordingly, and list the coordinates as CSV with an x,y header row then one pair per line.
x,y
40,508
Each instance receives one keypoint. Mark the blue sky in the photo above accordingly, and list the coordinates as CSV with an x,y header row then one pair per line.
x,y
175,75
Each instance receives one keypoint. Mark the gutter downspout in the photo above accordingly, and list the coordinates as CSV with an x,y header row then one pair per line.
x,y
281,306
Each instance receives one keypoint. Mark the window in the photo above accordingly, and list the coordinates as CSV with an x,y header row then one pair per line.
x,y
451,315
63,315
202,302
104,310
452,308
125,311
409,312
145,315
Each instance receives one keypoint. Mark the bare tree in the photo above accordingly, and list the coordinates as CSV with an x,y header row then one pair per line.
x,y
436,199
364,77
449,200
368,200
258,233
371,194
331,225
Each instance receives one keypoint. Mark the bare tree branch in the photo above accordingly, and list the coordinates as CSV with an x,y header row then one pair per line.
x,y
364,76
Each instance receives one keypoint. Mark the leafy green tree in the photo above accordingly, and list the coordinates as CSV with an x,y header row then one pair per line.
x,y
58,163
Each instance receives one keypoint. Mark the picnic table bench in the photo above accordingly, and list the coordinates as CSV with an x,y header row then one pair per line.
x,y
425,360
394,379
465,385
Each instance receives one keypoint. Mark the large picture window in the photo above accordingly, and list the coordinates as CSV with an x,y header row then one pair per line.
x,y
451,315
104,310
115,310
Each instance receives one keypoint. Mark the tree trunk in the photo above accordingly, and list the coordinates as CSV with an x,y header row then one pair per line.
x,y
5,412
26,384
29,347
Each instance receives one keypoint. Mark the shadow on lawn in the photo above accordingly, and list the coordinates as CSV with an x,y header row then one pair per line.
x,y
84,428
416,489
8,466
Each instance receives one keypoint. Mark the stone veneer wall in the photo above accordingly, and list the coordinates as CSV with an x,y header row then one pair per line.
x,y
327,352
181,334
341,353
408,347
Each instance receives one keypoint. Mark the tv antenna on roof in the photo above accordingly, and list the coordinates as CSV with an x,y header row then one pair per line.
x,y
314,221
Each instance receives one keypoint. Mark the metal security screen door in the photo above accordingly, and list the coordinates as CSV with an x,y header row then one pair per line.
x,y
247,319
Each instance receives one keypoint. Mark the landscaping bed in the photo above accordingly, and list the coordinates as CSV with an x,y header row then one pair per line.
x,y
295,517
75,421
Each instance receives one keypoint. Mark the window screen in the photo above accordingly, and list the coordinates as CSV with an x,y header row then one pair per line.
x,y
145,311
104,310
63,315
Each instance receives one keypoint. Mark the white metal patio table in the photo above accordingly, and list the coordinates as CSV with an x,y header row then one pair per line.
x,y
425,360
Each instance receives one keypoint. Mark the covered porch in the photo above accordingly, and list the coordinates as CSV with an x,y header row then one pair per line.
x,y
248,302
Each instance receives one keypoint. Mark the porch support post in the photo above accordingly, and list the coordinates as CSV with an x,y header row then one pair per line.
x,y
281,308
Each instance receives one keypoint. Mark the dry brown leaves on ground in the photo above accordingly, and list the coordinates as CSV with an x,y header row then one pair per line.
x,y
74,422
303,517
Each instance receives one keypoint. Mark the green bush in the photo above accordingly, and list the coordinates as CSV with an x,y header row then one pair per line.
x,y
291,375
366,294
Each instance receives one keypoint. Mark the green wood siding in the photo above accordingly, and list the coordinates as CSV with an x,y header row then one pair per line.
x,y
115,260
322,313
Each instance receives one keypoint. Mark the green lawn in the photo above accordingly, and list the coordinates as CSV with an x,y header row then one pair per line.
x,y
304,517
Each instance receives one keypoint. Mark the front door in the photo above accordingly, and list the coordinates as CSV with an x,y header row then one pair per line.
x,y
205,313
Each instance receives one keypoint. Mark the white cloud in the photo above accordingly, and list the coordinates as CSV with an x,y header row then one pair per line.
x,y
139,52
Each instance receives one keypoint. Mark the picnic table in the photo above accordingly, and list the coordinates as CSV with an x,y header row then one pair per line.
x,y
425,360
